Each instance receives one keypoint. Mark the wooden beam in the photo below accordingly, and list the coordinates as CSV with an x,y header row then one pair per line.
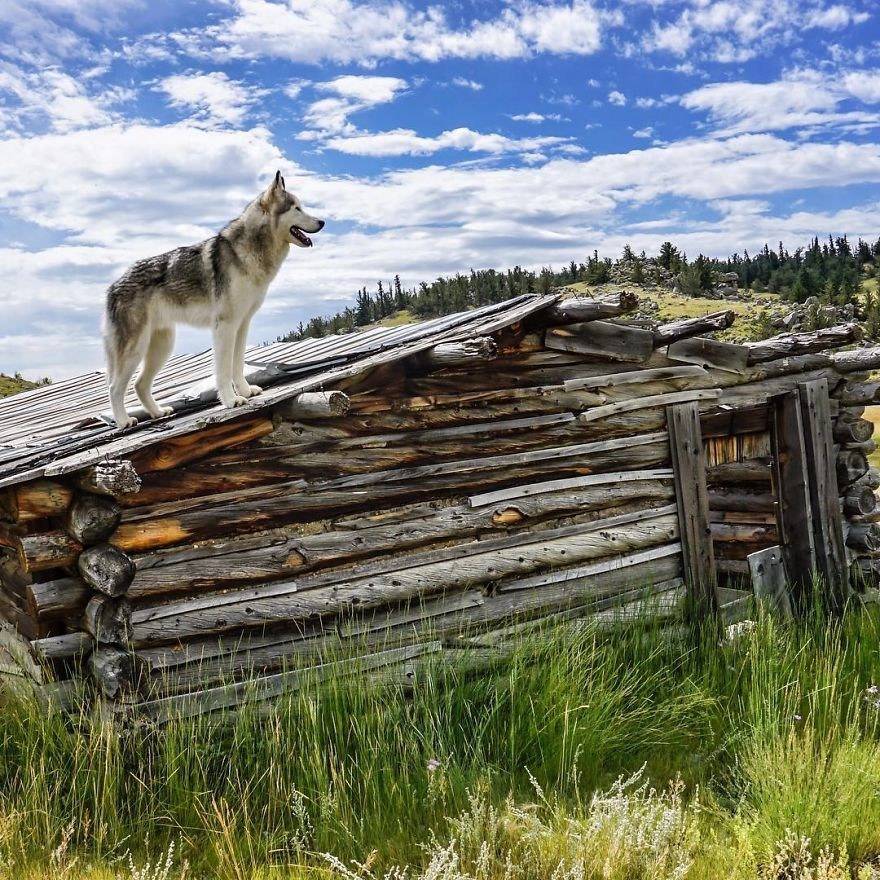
x,y
91,518
710,353
824,492
575,310
614,342
460,353
113,477
666,334
791,485
107,569
792,344
315,405
199,443
689,467
108,620
63,647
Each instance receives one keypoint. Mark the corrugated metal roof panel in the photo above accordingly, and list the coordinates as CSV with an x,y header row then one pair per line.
x,y
58,428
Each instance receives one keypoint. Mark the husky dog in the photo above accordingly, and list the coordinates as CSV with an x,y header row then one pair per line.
x,y
219,283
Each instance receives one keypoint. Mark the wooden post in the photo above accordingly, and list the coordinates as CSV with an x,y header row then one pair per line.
x,y
824,494
794,509
689,467
769,580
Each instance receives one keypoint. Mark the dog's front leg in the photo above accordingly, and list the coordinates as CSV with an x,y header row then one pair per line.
x,y
240,383
224,351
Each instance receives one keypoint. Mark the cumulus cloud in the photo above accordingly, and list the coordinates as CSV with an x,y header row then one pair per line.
x,y
347,95
53,98
210,98
361,32
801,99
617,98
733,31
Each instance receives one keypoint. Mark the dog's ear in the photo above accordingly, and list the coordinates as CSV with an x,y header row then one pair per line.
x,y
272,192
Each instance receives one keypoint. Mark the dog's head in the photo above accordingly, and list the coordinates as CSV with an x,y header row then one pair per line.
x,y
286,214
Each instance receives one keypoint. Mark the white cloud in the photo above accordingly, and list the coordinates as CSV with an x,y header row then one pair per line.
x,y
294,88
836,17
405,142
365,89
802,99
733,31
359,32
617,98
464,83
210,98
51,96
646,132
538,117
350,94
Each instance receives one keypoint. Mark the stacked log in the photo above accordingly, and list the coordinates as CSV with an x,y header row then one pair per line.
x,y
857,481
479,488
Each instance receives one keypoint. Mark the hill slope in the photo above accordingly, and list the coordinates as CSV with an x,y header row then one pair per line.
x,y
13,384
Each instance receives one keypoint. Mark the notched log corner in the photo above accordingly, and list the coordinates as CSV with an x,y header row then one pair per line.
x,y
106,569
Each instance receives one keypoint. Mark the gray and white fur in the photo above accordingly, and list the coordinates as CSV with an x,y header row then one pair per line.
x,y
219,283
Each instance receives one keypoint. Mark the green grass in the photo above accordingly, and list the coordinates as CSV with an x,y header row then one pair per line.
x,y
675,306
765,742
10,385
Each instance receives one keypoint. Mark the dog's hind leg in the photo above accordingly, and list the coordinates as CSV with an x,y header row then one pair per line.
x,y
123,365
158,350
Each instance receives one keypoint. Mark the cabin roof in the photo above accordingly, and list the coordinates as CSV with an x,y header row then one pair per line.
x,y
66,426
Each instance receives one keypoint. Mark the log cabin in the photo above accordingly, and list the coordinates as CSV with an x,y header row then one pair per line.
x,y
399,497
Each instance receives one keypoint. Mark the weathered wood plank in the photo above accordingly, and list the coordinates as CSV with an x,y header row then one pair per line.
x,y
63,647
616,342
315,405
790,344
460,353
791,478
610,479
689,468
575,310
824,493
637,377
185,448
659,400
710,353
667,334
463,567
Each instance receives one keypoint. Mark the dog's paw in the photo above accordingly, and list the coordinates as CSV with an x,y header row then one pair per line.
x,y
161,412
246,390
128,422
233,401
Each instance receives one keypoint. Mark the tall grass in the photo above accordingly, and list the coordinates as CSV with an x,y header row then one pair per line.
x,y
772,737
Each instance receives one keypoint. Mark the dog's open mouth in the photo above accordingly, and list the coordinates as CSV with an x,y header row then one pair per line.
x,y
300,236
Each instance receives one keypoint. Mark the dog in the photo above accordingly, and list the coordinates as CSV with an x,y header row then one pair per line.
x,y
220,283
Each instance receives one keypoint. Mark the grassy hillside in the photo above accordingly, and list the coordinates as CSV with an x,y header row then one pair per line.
x,y
13,384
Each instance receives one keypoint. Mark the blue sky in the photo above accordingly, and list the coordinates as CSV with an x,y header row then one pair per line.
x,y
431,137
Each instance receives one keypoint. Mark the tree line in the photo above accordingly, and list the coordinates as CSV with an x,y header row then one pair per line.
x,y
830,270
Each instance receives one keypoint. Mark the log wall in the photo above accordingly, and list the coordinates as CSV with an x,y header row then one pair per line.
x,y
448,501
